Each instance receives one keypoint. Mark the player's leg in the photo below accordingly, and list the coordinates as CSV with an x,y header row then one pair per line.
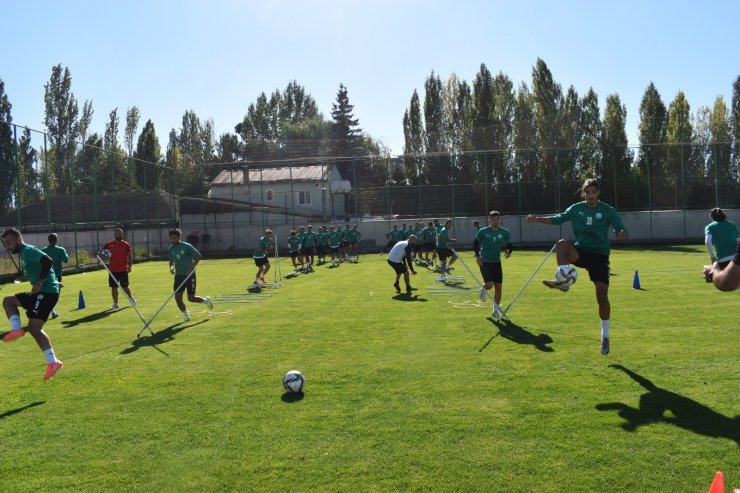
x,y
36,328
565,253
407,280
453,257
11,305
605,310
54,313
265,268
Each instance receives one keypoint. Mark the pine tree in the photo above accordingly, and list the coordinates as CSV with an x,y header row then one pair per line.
x,y
502,130
29,190
8,169
61,124
413,134
588,147
346,136
570,137
525,136
148,154
735,117
438,163
720,167
616,156
548,100
132,125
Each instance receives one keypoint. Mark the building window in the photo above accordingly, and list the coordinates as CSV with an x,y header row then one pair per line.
x,y
269,195
304,198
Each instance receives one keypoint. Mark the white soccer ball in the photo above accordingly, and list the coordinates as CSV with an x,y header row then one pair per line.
x,y
105,254
293,382
566,276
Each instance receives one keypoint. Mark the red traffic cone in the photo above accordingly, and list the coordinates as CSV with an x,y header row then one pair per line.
x,y
718,485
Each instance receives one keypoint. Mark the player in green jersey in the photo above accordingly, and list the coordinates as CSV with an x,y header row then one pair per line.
x,y
354,238
38,303
591,220
264,245
58,255
335,239
490,241
300,235
443,249
294,247
393,237
183,258
309,247
720,234
429,242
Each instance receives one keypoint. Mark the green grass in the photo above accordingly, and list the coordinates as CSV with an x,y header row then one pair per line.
x,y
422,395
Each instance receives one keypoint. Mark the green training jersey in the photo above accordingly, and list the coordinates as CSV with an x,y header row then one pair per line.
x,y
334,238
404,234
58,255
263,243
442,238
394,234
429,234
724,237
439,227
181,255
320,238
309,239
492,241
354,235
30,257
591,225
293,243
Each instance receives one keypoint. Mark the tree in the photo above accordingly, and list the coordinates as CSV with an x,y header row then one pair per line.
x,y
147,155
85,119
504,102
548,100
616,156
61,124
719,126
678,136
29,190
228,148
413,136
457,101
113,175
438,163
735,117
132,125
651,132
346,134
588,147
571,135
525,136
8,168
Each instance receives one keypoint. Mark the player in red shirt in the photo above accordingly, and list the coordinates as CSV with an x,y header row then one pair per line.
x,y
120,262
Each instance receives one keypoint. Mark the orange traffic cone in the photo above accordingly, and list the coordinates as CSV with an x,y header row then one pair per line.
x,y
718,485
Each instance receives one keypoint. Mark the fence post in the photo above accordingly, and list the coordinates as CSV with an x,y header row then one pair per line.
x,y
46,184
17,176
485,180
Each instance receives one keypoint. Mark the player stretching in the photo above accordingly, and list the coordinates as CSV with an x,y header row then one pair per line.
x,y
183,259
38,303
398,258
264,244
491,241
58,255
591,220
121,261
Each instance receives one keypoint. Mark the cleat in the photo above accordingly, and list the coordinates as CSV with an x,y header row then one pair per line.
x,y
13,335
262,279
409,289
397,286
54,315
208,303
605,346
186,318
52,369
115,306
554,285
482,294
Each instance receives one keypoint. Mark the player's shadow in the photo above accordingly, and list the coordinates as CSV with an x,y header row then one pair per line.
x,y
518,334
20,409
409,297
290,397
160,337
91,318
663,406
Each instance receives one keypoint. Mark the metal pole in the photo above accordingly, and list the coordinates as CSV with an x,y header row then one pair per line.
x,y
262,199
354,184
17,176
46,184
292,193
95,199
233,220
485,180
716,178
74,213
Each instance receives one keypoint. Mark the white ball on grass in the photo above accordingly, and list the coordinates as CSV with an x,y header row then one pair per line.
x,y
293,382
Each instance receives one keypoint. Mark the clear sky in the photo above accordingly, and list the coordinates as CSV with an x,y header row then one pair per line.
x,y
215,57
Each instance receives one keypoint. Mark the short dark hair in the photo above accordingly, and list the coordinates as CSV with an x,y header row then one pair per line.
x,y
494,214
11,232
591,182
53,238
717,214
176,232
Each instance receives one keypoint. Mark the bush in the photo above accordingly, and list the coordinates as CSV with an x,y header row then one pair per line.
x,y
141,252
83,257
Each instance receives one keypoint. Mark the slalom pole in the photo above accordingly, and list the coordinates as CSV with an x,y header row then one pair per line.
x,y
530,279
146,325
131,301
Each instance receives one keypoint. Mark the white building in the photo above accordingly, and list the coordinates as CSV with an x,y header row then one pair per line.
x,y
311,191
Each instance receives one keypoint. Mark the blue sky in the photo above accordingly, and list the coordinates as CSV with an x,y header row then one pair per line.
x,y
216,57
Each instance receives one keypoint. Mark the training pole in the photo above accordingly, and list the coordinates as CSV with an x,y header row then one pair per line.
x,y
488,292
146,324
133,305
278,272
530,279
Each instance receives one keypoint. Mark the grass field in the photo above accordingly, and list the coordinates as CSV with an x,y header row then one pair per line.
x,y
421,393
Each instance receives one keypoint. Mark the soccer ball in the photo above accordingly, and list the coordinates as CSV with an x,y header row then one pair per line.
x,y
105,254
566,276
293,382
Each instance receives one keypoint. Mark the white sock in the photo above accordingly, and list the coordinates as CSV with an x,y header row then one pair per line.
x,y
604,328
185,312
15,322
49,355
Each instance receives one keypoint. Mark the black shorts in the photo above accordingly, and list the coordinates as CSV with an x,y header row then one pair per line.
x,y
492,272
400,268
38,305
353,243
259,262
333,249
294,254
190,285
345,243
416,247
320,250
596,264
122,278
429,247
444,253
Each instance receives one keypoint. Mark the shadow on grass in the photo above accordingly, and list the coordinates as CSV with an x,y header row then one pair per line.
x,y
409,297
682,412
160,337
291,397
91,318
20,409
517,333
